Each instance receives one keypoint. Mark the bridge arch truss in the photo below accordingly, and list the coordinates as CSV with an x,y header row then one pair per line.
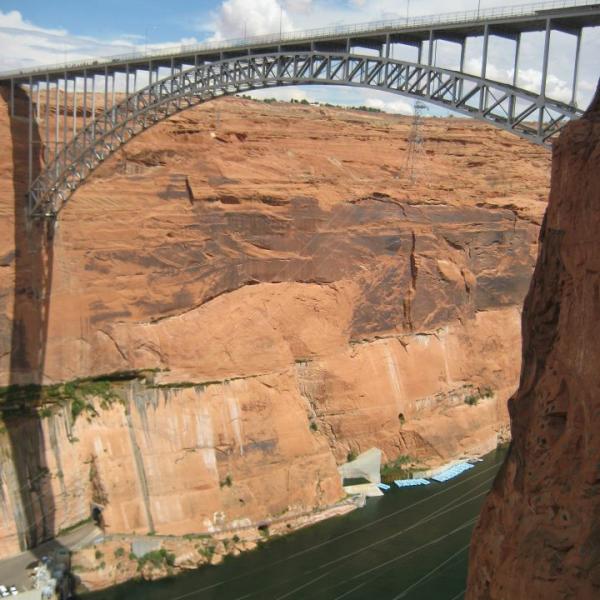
x,y
512,109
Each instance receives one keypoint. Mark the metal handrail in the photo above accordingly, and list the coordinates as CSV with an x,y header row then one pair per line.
x,y
450,18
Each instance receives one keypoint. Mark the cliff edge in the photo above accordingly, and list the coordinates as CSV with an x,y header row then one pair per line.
x,y
539,530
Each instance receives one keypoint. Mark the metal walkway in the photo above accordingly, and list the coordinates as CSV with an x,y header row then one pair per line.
x,y
119,97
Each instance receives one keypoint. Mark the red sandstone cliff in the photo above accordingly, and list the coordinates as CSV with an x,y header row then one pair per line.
x,y
539,531
263,291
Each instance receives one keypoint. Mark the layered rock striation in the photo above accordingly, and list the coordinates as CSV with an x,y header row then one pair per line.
x,y
538,534
243,296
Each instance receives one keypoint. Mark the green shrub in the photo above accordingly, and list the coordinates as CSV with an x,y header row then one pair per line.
x,y
397,469
351,456
264,530
119,552
77,407
227,482
206,551
157,558
484,392
471,400
487,392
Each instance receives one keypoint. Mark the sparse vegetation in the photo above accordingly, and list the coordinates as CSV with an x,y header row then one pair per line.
x,y
400,468
45,412
264,530
74,526
227,482
206,551
98,554
314,426
304,101
157,558
119,552
484,392
75,394
351,456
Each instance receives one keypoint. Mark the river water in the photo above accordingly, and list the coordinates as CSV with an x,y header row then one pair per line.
x,y
411,543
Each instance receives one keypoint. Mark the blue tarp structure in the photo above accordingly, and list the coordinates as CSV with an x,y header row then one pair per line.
x,y
452,472
410,482
383,486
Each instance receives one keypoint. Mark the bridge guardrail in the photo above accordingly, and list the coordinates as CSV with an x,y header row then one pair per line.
x,y
323,32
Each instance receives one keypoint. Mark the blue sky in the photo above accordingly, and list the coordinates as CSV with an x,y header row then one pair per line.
x,y
50,31
113,19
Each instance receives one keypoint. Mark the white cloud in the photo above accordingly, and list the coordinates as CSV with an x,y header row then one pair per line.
x,y
400,107
245,18
284,94
529,79
25,45
14,20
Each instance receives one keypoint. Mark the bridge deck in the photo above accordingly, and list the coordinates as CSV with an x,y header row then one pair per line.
x,y
455,27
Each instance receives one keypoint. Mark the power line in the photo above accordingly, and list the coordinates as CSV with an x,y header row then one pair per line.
x,y
455,503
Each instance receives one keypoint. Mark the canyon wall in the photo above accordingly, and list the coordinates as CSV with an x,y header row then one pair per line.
x,y
542,518
243,296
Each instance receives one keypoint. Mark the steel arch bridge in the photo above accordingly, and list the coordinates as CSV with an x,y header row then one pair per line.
x,y
324,57
480,98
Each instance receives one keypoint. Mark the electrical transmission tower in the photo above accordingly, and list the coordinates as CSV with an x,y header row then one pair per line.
x,y
415,143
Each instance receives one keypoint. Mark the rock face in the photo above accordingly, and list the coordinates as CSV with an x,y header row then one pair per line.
x,y
264,292
542,518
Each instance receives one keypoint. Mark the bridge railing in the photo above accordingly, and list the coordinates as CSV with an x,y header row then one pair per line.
x,y
450,18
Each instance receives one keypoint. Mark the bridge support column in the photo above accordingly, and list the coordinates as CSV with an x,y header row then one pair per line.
x,y
37,101
461,68
429,62
84,106
93,115
544,74
74,107
545,59
64,135
483,93
112,99
105,106
12,98
57,124
576,69
30,146
511,104
127,80
47,122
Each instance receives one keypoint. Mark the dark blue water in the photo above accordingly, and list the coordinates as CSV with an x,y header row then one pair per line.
x,y
410,543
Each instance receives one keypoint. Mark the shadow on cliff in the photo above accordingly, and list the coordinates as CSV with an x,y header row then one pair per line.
x,y
31,493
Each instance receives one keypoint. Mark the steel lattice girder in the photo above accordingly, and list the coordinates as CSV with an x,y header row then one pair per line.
x,y
502,105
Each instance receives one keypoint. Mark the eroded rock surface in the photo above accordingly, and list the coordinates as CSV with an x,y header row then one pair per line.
x,y
274,293
538,534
